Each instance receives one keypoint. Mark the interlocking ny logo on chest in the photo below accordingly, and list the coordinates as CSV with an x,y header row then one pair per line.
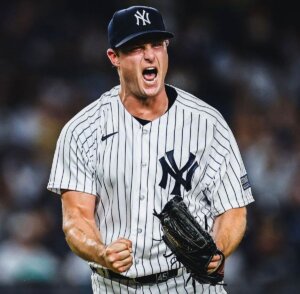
x,y
170,168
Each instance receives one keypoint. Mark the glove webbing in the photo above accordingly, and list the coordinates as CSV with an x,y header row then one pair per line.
x,y
174,258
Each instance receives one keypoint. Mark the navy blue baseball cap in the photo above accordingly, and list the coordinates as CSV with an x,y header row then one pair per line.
x,y
134,22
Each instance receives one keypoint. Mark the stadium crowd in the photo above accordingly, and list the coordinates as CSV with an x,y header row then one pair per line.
x,y
242,57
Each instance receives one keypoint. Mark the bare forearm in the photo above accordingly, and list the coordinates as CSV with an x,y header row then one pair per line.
x,y
84,240
229,229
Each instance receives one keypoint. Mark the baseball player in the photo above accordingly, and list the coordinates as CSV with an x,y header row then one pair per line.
x,y
131,151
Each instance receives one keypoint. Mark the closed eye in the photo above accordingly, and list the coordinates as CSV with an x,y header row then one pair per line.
x,y
158,44
136,48
132,49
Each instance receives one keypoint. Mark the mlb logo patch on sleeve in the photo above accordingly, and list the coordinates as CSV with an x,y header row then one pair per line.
x,y
245,182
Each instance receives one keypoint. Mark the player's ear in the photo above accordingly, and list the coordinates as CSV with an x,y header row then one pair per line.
x,y
113,57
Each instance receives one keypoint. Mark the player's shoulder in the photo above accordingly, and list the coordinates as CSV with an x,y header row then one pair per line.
x,y
88,117
196,105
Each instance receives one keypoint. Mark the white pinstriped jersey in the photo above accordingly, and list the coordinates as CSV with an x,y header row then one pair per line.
x,y
134,169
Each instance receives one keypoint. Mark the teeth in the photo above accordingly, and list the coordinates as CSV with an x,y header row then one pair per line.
x,y
150,69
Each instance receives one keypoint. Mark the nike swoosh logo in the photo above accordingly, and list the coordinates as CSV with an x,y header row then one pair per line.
x,y
107,136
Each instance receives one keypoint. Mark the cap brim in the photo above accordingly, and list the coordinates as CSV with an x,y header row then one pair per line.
x,y
154,33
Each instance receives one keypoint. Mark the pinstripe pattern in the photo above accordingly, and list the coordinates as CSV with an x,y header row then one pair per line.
x,y
124,172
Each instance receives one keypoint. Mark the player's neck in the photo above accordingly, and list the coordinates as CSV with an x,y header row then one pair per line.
x,y
147,108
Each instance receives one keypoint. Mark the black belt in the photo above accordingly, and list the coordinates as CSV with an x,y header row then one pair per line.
x,y
151,279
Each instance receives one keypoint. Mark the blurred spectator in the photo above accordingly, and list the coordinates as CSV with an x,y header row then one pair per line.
x,y
23,259
292,219
80,276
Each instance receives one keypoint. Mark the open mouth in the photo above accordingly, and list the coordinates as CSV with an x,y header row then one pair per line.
x,y
150,74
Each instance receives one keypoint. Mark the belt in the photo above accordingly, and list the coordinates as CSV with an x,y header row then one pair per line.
x,y
151,279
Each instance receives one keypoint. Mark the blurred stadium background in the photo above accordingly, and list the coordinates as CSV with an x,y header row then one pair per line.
x,y
242,57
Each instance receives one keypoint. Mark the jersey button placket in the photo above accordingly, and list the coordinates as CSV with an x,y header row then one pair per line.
x,y
145,153
144,185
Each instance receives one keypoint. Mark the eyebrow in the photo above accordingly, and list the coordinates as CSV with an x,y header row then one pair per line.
x,y
142,42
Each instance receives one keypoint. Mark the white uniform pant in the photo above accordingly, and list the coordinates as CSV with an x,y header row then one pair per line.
x,y
175,285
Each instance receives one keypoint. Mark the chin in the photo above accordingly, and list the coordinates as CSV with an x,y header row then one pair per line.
x,y
152,90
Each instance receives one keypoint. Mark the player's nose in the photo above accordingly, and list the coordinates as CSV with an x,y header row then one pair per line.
x,y
149,53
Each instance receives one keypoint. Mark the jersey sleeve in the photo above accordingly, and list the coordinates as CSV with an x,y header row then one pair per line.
x,y
227,180
73,162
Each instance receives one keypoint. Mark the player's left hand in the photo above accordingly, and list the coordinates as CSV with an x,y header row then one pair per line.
x,y
214,263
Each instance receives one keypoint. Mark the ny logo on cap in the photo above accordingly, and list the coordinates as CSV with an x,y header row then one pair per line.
x,y
143,17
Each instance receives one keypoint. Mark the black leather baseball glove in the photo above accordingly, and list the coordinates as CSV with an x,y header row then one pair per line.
x,y
189,242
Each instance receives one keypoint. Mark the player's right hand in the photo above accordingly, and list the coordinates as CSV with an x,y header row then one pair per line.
x,y
118,255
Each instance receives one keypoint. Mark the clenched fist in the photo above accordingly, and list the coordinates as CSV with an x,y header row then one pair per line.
x,y
117,255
